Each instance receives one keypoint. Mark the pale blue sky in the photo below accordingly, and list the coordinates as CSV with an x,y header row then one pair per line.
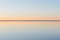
x,y
30,8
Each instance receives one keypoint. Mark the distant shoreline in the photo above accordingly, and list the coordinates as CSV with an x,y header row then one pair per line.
x,y
29,20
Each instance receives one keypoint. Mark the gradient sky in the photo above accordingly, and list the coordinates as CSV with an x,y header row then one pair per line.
x,y
29,8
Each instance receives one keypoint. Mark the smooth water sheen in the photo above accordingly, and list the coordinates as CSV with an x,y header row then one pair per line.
x,y
30,31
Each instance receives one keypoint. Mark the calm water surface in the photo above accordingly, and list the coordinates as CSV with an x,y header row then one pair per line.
x,y
30,31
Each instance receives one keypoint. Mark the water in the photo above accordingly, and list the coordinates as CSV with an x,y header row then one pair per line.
x,y
29,31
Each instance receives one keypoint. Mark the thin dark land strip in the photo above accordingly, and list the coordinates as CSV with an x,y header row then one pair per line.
x,y
29,20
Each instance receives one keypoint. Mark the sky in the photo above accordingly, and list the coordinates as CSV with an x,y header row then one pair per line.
x,y
29,8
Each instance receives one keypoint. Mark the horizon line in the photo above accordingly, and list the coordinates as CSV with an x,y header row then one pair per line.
x,y
29,20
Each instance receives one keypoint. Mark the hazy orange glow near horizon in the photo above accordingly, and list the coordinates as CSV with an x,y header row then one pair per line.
x,y
29,18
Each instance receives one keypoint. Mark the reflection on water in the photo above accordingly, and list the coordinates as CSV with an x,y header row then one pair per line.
x,y
29,31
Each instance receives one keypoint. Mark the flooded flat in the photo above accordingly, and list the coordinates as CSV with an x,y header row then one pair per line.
x,y
29,30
